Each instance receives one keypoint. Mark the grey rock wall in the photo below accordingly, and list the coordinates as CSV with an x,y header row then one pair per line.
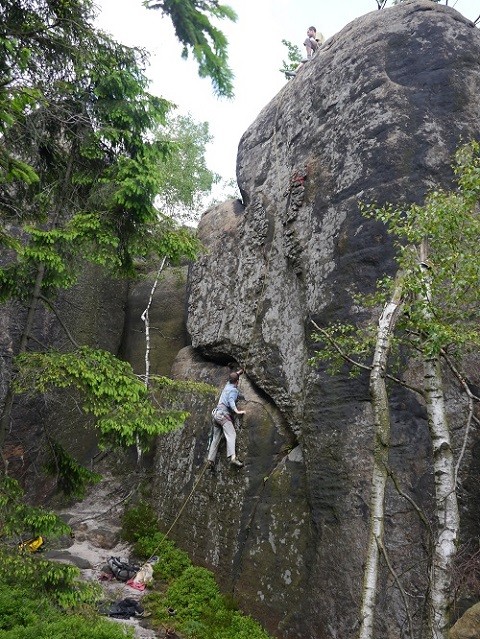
x,y
168,333
94,313
375,116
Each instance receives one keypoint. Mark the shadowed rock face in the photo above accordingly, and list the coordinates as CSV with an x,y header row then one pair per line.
x,y
375,116
93,312
166,314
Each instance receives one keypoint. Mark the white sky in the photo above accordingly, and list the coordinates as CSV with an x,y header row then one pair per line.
x,y
255,55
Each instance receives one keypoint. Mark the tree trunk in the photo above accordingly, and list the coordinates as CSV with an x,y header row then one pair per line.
x,y
381,448
8,403
446,504
145,317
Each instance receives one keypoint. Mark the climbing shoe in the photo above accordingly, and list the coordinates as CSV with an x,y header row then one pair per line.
x,y
290,74
236,462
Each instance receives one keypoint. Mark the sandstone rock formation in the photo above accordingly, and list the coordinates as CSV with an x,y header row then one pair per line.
x,y
168,332
375,116
468,626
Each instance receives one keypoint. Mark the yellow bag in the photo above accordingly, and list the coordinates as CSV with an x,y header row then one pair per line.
x,y
32,545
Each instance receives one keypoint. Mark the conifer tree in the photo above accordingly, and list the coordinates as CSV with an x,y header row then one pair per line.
x,y
192,20
80,169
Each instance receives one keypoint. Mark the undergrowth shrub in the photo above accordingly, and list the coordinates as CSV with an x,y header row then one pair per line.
x,y
16,610
26,614
140,521
201,611
71,626
59,582
171,560
19,520
73,479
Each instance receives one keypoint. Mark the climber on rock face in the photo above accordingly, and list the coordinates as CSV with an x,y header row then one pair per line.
x,y
223,421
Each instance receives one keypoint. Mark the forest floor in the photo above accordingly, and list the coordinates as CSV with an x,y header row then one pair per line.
x,y
96,522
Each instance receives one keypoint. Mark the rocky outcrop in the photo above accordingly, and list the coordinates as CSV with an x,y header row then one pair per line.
x,y
100,312
375,116
93,313
468,626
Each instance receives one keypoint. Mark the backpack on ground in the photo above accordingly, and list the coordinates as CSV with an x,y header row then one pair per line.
x,y
122,570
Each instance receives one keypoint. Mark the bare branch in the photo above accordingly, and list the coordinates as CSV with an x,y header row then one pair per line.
x,y
412,502
471,417
60,321
354,362
415,389
342,354
399,585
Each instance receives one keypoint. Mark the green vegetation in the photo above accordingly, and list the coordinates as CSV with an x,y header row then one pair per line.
x,y
111,392
201,611
138,522
428,314
439,312
171,560
19,521
184,173
193,28
92,167
26,614
72,478
40,598
294,57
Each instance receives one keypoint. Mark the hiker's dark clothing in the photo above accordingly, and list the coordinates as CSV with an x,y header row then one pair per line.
x,y
125,609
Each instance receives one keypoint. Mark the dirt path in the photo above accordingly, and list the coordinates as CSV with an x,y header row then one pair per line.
x,y
95,523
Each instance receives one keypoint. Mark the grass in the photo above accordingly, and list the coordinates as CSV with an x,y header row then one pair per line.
x,y
27,614
201,611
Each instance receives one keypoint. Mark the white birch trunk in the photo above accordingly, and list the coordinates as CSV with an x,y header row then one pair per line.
x,y
145,317
446,504
381,417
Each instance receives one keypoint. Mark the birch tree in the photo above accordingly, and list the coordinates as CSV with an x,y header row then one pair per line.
x,y
436,312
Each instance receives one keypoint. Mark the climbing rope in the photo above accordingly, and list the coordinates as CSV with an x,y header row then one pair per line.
x,y
155,550
187,499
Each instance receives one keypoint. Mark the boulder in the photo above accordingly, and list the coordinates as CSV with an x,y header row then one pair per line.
x,y
374,117
468,626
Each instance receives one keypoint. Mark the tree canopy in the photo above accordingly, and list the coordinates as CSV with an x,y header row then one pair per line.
x,y
84,156
194,29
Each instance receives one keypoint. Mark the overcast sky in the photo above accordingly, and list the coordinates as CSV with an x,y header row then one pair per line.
x,y
255,55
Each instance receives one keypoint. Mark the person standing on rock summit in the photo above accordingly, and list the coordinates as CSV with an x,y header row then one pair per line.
x,y
311,44
223,421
